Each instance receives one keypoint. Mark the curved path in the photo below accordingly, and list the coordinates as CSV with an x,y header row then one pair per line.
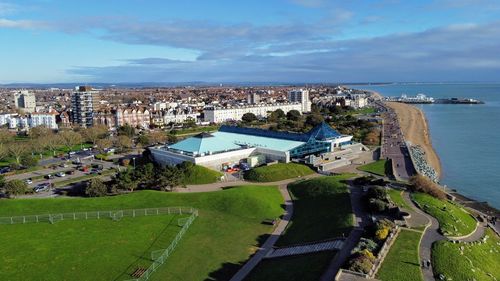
x,y
431,235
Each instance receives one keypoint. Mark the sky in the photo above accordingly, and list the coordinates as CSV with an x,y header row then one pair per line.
x,y
290,41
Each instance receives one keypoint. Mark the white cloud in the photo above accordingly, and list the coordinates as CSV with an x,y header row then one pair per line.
x,y
6,23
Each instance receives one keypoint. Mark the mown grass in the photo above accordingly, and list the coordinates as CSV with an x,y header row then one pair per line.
x,y
297,268
477,261
402,263
397,198
83,249
224,235
453,219
380,168
277,172
322,210
201,175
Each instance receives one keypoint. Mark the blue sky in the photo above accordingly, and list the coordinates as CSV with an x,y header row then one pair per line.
x,y
48,41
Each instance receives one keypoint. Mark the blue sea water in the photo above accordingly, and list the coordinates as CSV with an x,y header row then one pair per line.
x,y
466,137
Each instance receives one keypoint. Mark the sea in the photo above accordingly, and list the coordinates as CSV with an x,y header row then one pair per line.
x,y
466,137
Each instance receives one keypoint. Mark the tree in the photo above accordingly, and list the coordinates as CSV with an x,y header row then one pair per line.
x,y
314,119
17,150
168,177
126,130
70,138
103,144
96,188
51,142
125,180
143,140
249,117
16,187
39,131
156,137
5,135
123,142
293,115
29,161
421,183
4,151
94,133
276,115
2,181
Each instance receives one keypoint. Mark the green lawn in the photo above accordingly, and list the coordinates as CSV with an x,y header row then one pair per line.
x,y
402,262
474,262
298,268
83,250
397,198
202,175
277,172
380,168
453,219
322,210
224,235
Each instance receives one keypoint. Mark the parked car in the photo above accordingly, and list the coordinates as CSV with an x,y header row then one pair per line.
x,y
49,176
63,165
41,187
28,181
5,170
61,174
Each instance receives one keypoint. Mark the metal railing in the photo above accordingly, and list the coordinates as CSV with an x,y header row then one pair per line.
x,y
113,214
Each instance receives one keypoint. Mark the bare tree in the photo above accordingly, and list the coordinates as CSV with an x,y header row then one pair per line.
x,y
17,150
70,138
5,135
93,134
102,144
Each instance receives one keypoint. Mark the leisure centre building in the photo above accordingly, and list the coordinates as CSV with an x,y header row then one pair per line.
x,y
232,144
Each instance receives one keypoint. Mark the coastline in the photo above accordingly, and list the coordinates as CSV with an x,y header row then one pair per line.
x,y
413,122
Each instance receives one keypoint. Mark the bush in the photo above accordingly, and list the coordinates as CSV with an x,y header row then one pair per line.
x,y
125,162
96,188
423,184
360,263
381,234
366,244
378,205
377,192
16,187
383,227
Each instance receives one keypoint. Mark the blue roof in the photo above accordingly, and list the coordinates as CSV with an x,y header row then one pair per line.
x,y
259,141
323,132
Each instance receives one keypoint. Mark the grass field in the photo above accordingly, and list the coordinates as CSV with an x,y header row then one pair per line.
x,y
380,168
297,268
224,235
453,219
322,210
476,262
397,198
277,172
402,262
202,175
84,249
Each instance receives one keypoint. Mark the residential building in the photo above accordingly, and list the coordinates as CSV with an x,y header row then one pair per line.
x,y
135,117
25,101
46,119
301,96
216,114
253,98
83,103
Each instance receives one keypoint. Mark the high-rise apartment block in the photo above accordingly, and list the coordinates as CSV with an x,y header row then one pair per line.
x,y
83,103
301,96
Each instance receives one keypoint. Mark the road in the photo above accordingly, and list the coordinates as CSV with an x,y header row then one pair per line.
x,y
394,146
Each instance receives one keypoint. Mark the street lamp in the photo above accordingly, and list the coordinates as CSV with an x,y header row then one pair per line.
x,y
133,159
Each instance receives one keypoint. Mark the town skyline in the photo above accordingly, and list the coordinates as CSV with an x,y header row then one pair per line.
x,y
288,41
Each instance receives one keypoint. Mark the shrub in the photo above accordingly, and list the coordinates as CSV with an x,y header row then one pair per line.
x,y
125,162
381,234
96,188
360,263
383,228
365,243
378,205
423,184
377,192
368,254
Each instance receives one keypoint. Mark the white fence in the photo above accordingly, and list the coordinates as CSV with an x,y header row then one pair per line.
x,y
114,215
160,256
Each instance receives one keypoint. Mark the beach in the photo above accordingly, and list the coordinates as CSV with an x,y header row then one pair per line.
x,y
415,130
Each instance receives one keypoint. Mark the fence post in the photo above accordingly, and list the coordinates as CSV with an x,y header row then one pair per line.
x,y
180,210
24,219
74,216
157,211
11,220
133,213
36,218
97,214
86,216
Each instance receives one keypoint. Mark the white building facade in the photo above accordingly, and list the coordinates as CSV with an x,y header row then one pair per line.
x,y
300,96
214,114
25,101
43,119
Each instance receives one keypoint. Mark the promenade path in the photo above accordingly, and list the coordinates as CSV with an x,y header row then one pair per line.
x,y
335,244
431,235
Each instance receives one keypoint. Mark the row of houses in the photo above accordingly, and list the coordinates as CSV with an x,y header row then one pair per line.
x,y
34,119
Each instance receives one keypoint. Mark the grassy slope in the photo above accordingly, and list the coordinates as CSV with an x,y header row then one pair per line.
x,y
103,248
476,262
202,175
322,210
277,172
298,268
378,167
402,262
224,235
453,219
397,198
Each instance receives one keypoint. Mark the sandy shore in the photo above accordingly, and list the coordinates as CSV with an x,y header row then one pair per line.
x,y
415,129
